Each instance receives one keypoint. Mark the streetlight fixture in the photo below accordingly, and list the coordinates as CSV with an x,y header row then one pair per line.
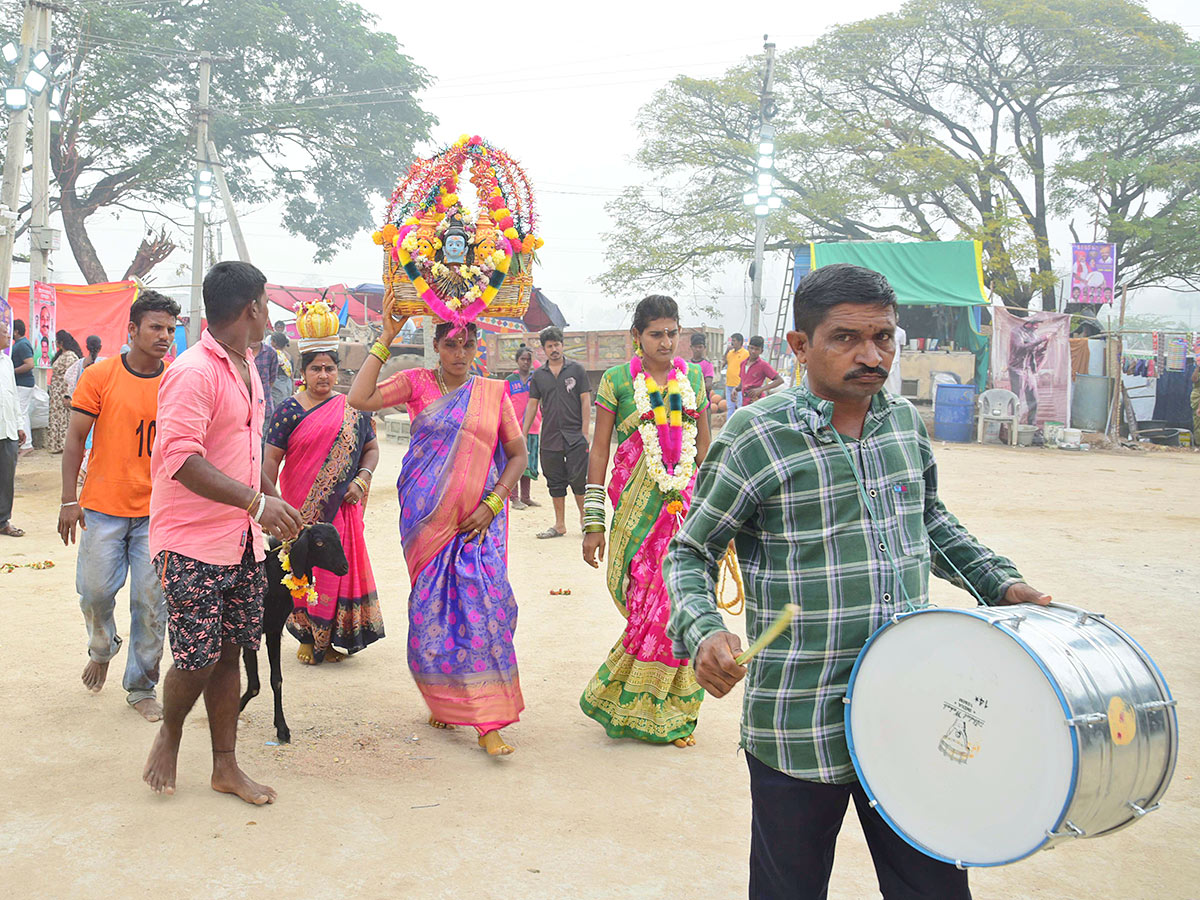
x,y
16,98
11,53
41,60
35,81
763,198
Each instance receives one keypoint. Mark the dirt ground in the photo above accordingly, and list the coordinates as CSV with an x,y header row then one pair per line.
x,y
373,803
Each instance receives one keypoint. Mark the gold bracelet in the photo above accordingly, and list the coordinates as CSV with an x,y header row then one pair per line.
x,y
380,351
361,483
253,501
493,502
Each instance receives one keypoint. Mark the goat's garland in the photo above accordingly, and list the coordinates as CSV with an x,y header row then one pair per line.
x,y
298,587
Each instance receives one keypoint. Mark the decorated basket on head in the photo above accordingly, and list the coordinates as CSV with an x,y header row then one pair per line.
x,y
445,260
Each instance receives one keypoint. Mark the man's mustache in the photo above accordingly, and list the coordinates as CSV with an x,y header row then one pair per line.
x,y
873,370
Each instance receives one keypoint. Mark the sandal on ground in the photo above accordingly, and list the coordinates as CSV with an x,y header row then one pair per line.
x,y
549,533
12,531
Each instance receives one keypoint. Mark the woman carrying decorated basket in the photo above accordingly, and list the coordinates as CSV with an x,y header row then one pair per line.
x,y
465,456
656,402
328,451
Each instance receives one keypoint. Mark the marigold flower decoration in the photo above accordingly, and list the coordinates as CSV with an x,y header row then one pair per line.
x,y
428,200
298,586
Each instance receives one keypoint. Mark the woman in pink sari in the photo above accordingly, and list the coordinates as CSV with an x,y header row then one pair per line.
x,y
656,402
465,456
328,451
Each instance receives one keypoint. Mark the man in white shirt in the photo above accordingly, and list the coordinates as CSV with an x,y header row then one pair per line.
x,y
893,383
12,435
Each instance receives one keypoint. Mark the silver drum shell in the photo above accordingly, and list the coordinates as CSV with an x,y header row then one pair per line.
x,y
1091,661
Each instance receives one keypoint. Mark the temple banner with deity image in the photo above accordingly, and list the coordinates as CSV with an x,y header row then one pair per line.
x,y
1032,358
1093,273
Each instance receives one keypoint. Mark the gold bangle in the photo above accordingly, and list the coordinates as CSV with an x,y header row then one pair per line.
x,y
253,501
493,502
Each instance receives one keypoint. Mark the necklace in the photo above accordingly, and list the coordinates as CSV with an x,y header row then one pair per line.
x,y
232,351
441,381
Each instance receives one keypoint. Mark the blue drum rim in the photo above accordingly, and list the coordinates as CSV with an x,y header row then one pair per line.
x,y
878,807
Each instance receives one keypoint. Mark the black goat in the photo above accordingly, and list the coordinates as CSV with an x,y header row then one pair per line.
x,y
318,546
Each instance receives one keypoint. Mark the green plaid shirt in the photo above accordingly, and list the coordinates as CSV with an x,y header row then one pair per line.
x,y
777,483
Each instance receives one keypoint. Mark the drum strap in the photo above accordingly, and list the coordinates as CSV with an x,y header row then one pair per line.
x,y
883,538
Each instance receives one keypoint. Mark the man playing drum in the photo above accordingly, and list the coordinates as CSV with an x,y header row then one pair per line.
x,y
829,491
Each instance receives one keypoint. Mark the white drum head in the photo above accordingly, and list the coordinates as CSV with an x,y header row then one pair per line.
x,y
960,738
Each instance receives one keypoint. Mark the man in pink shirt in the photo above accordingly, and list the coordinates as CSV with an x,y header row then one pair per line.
x,y
758,376
209,507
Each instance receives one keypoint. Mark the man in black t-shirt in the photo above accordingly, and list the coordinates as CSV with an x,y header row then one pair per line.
x,y
561,389
22,360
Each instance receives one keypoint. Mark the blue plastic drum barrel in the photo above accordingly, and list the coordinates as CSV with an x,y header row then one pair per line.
x,y
954,413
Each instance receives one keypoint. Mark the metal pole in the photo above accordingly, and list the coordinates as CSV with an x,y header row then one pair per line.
x,y
760,242
14,158
227,198
41,235
195,311
760,224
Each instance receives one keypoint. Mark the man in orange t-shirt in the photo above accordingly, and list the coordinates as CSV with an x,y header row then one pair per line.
x,y
117,401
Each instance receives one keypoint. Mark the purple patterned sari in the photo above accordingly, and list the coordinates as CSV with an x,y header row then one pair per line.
x,y
462,612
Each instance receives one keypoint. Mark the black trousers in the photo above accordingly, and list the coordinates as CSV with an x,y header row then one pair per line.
x,y
794,829
9,450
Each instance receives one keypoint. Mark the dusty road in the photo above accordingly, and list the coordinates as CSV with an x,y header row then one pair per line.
x,y
372,803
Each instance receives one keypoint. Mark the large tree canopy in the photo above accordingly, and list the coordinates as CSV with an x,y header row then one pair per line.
x,y
310,104
951,119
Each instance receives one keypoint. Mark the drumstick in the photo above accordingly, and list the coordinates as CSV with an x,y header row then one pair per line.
x,y
782,621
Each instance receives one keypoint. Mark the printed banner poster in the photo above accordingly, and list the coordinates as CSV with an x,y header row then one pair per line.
x,y
1093,272
45,299
6,319
1032,358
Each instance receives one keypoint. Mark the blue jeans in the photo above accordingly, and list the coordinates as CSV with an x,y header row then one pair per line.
x,y
732,399
109,548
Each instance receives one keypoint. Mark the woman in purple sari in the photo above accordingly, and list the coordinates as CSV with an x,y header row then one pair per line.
x,y
328,450
466,454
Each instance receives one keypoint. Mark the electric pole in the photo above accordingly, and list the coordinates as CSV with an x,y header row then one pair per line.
x,y
766,111
14,159
43,238
235,226
196,310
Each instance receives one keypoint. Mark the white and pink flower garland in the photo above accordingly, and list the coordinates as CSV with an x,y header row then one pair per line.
x,y
668,427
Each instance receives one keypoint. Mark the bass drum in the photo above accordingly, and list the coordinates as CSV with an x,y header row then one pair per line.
x,y
984,735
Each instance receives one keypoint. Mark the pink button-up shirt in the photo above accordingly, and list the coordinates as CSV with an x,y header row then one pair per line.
x,y
203,408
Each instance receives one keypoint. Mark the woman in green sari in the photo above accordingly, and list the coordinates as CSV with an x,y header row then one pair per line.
x,y
656,402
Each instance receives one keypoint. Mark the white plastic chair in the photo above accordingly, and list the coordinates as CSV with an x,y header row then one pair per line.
x,y
998,405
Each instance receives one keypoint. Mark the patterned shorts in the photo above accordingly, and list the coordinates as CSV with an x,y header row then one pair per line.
x,y
210,605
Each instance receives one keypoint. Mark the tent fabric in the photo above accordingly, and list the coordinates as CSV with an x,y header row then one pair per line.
x,y
927,273
84,309
543,312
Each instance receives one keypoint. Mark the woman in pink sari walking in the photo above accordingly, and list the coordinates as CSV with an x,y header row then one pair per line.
x,y
328,450
465,456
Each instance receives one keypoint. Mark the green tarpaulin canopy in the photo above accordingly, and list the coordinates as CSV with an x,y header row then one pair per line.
x,y
922,273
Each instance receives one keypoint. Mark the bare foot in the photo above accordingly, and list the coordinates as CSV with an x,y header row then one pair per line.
x,y
434,723
494,744
529,502
94,674
304,653
150,709
232,780
332,655
518,504
688,741
160,764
